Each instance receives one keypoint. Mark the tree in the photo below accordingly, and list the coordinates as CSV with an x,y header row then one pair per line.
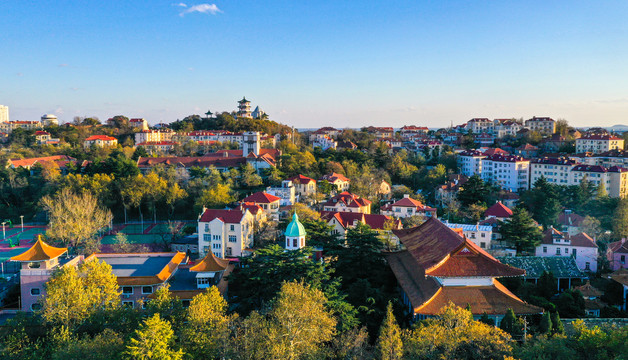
x,y
75,219
620,220
216,196
545,326
512,324
107,345
474,191
557,325
121,243
153,340
547,285
543,202
207,326
300,323
521,230
389,344
73,294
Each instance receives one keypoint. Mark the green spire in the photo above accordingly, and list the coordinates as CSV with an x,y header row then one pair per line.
x,y
295,228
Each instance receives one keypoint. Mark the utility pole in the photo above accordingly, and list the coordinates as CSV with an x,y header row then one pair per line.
x,y
22,221
4,234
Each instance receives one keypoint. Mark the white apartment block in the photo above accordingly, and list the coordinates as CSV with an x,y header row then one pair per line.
x,y
153,136
470,162
480,125
505,127
226,233
555,170
4,113
615,179
508,171
597,144
543,125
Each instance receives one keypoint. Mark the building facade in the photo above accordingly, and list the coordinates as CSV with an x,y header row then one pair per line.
x,y
225,233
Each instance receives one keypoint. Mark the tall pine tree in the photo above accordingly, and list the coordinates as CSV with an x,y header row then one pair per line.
x,y
389,344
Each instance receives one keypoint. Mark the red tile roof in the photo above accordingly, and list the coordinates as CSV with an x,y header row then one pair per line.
x,y
498,210
32,161
261,197
581,239
348,219
495,151
333,177
226,216
100,137
300,179
620,246
605,137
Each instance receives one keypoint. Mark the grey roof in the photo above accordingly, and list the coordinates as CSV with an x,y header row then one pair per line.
x,y
560,266
184,279
137,265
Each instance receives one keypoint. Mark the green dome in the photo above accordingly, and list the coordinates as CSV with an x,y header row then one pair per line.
x,y
295,228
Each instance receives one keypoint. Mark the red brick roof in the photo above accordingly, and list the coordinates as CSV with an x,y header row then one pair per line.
x,y
347,219
600,137
498,210
300,179
495,151
581,239
620,246
261,197
347,199
226,216
333,177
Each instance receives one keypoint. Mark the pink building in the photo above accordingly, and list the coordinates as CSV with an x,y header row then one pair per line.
x,y
617,254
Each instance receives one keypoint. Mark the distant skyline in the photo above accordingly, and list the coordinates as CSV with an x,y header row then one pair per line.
x,y
312,64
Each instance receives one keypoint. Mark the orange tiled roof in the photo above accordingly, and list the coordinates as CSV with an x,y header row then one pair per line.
x,y
100,137
492,300
210,263
39,252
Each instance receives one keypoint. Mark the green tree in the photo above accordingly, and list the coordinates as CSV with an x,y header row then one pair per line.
x,y
543,202
389,344
153,340
557,325
207,325
474,191
547,285
217,196
545,326
512,324
107,345
521,230
620,220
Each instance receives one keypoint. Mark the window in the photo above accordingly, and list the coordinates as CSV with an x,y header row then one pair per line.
x,y
127,289
185,303
573,253
202,281
483,235
483,245
35,291
623,259
472,235
587,266
233,238
544,249
205,249
217,254
127,304
207,237
229,251
35,306
216,246
216,237
232,227
557,251
295,242
147,289
206,227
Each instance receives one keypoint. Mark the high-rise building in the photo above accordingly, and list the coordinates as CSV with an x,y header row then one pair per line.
x,y
4,113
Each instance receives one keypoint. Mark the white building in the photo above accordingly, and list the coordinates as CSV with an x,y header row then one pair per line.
x,y
139,123
100,141
407,207
9,126
4,113
581,247
480,235
324,142
470,162
510,172
225,232
49,119
250,142
480,125
153,136
286,192
505,127
543,125
295,234
555,170
599,143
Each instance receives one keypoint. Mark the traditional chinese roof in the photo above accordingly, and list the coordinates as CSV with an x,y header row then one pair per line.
x,y
261,197
560,266
210,263
491,300
138,269
295,228
40,251
498,210
588,290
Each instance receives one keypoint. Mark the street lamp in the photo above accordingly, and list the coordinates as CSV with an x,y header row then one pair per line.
x,y
22,221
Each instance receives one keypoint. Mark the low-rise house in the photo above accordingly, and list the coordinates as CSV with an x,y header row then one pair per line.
x,y
286,192
324,142
592,302
139,123
438,267
564,269
28,163
481,235
407,207
225,233
269,203
9,126
409,131
581,247
381,132
44,138
480,126
570,222
347,202
508,198
341,222
186,244
151,136
527,151
304,186
346,145
328,131
617,254
499,211
449,191
484,139
100,141
340,181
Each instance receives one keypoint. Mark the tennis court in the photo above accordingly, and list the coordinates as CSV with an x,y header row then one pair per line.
x,y
133,239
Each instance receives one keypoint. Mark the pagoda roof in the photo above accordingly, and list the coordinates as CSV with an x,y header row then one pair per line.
x,y
490,299
40,251
210,263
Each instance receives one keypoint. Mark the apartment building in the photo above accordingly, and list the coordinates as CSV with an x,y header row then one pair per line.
x,y
597,144
470,162
510,172
543,125
555,170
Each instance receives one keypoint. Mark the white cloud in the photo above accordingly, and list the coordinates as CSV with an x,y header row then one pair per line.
x,y
181,4
201,8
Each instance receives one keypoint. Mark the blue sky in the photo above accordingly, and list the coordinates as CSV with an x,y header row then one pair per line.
x,y
310,64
